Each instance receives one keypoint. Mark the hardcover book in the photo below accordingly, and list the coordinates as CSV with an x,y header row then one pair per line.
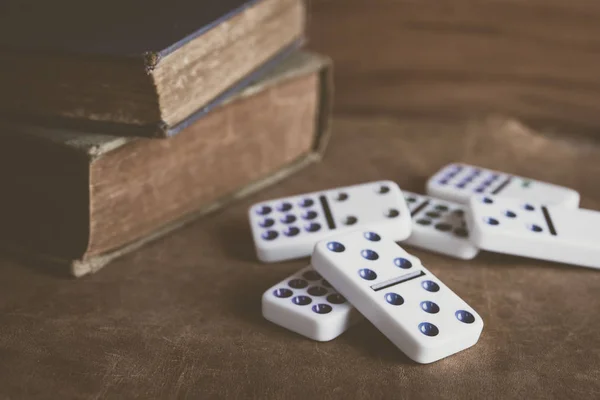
x,y
135,67
81,198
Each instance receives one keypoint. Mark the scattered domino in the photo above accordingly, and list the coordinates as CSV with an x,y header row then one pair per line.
x,y
392,289
513,226
305,303
458,182
289,228
439,226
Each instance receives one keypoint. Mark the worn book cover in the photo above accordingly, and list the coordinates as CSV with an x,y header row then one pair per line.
x,y
82,198
145,68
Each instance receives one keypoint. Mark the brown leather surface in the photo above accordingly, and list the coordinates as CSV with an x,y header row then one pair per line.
x,y
181,318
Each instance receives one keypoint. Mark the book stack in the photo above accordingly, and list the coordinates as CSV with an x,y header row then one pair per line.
x,y
123,120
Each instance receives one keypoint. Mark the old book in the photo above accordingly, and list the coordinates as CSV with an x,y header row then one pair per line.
x,y
82,199
137,67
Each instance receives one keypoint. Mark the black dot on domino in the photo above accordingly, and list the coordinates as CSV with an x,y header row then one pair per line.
x,y
264,210
336,247
443,227
528,207
383,189
535,228
309,215
441,207
267,222
312,227
283,207
394,299
424,222
322,308
367,274
372,236
402,263
428,329
433,214
510,214
317,291
411,199
270,235
336,298
430,307
350,220
430,286
491,221
282,293
302,300
392,213
288,219
297,283
465,316
306,202
311,275
487,200
291,231
342,196
369,255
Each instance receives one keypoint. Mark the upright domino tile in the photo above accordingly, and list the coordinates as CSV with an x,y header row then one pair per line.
x,y
458,182
307,304
439,226
512,226
289,227
392,289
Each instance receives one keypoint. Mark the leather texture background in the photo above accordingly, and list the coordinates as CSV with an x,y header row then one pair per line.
x,y
181,318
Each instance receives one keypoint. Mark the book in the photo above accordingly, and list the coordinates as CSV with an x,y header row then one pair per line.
x,y
135,67
81,199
